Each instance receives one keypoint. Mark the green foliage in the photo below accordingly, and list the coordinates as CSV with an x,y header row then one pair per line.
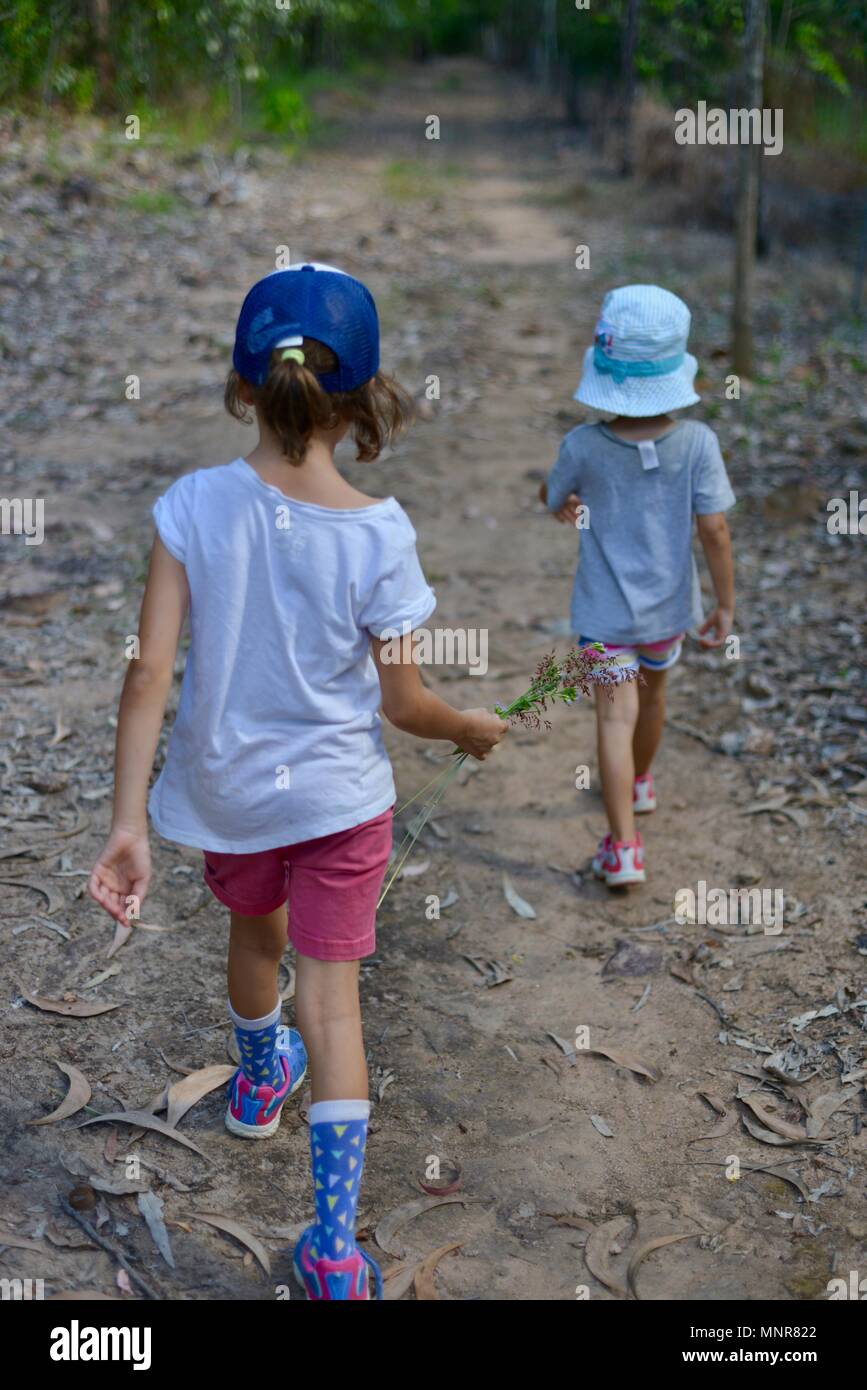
x,y
252,60
455,25
285,111
406,180
152,201
809,39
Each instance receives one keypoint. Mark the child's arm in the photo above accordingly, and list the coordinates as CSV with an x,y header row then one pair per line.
x,y
715,537
123,869
568,512
563,480
409,705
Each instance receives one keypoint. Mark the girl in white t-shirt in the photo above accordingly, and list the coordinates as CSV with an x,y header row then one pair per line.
x,y
276,767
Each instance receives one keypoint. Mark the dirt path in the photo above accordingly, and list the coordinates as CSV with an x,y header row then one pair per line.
x,y
469,245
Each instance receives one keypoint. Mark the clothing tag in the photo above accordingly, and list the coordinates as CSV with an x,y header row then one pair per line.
x,y
647,450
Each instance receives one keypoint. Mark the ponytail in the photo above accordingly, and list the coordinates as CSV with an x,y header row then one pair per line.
x,y
292,403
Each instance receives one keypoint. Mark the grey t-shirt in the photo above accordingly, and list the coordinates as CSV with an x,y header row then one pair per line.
x,y
637,579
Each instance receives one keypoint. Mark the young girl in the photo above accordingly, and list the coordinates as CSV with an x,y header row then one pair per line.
x,y
632,487
276,767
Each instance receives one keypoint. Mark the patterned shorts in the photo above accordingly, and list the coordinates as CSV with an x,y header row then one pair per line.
x,y
653,656
331,883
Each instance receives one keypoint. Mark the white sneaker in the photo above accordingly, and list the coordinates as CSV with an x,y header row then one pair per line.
x,y
643,795
619,864
601,857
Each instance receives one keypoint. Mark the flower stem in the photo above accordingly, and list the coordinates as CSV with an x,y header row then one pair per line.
x,y
423,817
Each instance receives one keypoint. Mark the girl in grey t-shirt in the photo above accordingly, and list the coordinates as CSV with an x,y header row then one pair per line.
x,y
631,487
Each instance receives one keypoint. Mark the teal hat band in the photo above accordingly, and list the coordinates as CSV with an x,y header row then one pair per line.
x,y
621,370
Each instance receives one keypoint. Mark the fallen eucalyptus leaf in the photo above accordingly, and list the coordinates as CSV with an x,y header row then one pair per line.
x,y
566,1047
515,901
151,1208
425,1288
767,1136
800,1021
820,1110
76,1097
122,934
102,976
398,1279
60,733
598,1248
175,1066
142,1119
776,804
390,1224
778,1170
827,1186
157,1102
70,1009
772,1121
183,1095
23,1242
115,1187
658,1243
234,1228
386,1080
413,870
48,892
623,1059
726,1122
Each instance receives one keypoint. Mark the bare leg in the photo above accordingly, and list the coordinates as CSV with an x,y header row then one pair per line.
x,y
616,718
256,946
328,1013
651,718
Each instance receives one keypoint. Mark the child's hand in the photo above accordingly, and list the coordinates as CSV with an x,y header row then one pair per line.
x,y
122,871
482,732
720,623
569,510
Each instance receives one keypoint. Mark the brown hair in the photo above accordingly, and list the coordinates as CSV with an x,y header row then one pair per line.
x,y
293,403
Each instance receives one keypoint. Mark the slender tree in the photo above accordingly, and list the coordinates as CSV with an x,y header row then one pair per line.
x,y
747,199
627,82
860,265
549,42
102,50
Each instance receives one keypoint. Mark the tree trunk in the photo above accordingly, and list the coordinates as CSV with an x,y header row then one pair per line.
x,y
860,266
747,198
763,235
549,43
313,39
783,27
100,10
627,79
516,47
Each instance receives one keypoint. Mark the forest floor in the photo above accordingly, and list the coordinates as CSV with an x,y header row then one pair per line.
x,y
745,1139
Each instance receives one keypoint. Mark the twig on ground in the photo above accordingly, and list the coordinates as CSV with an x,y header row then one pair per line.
x,y
109,1249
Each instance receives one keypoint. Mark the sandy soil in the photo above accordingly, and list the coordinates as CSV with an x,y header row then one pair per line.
x,y
469,245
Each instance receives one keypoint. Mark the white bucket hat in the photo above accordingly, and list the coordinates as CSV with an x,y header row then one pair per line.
x,y
639,364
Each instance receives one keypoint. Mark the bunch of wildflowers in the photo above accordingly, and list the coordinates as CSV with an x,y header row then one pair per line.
x,y
563,681
553,682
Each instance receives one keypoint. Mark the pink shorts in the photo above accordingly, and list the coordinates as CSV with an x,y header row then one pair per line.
x,y
653,656
331,884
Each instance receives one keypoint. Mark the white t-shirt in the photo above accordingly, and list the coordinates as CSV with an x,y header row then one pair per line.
x,y
277,737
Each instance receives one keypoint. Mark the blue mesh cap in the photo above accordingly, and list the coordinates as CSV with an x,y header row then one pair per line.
x,y
309,301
